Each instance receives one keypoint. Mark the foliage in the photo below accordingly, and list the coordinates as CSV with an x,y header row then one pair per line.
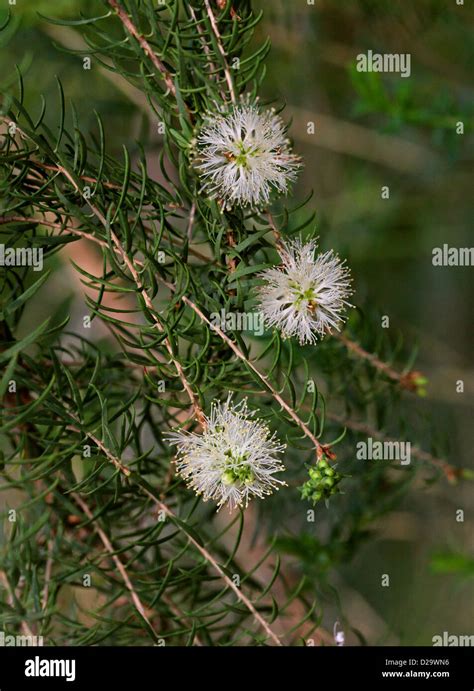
x,y
84,423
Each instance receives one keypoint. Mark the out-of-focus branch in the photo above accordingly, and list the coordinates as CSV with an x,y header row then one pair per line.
x,y
451,472
411,381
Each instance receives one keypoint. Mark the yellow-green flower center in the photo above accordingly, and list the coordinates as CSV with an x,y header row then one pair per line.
x,y
238,471
242,157
304,296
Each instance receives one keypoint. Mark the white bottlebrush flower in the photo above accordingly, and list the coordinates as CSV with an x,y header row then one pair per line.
x,y
244,155
305,296
233,460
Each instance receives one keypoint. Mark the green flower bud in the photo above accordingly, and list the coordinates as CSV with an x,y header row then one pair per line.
x,y
314,473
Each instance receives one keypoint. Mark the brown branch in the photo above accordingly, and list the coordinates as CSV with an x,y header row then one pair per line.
x,y
209,558
11,597
203,40
205,47
120,567
192,214
449,471
145,46
320,449
21,219
123,469
220,47
274,229
407,381
85,178
140,287
136,278
47,574
177,612
75,231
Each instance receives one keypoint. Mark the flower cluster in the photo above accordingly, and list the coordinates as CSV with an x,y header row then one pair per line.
x,y
243,158
233,460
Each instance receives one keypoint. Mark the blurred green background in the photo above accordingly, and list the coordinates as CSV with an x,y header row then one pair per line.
x,y
370,131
